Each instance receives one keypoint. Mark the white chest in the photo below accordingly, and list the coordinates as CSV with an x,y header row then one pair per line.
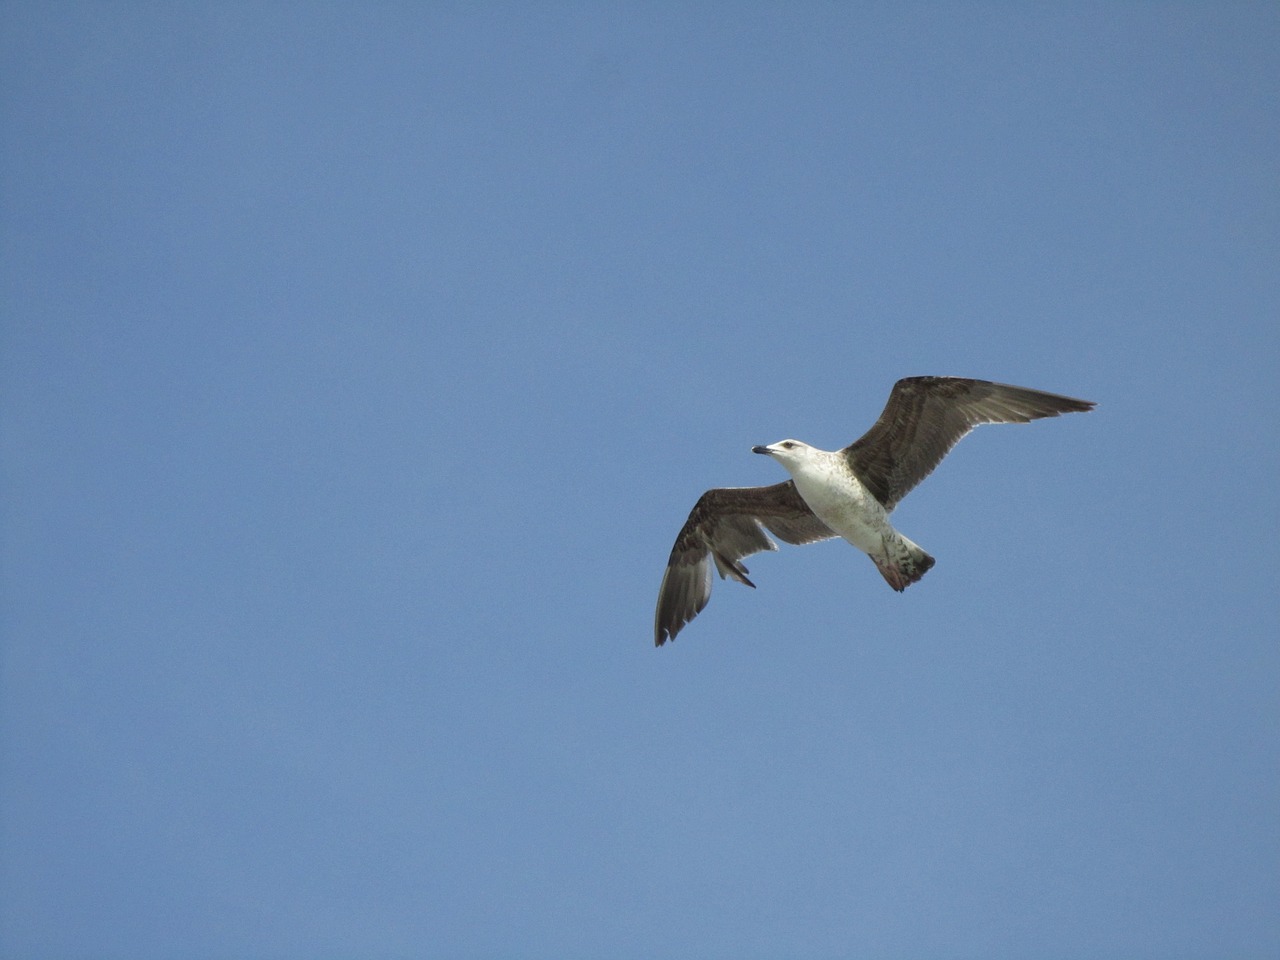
x,y
842,503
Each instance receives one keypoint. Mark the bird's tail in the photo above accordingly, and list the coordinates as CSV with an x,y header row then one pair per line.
x,y
901,562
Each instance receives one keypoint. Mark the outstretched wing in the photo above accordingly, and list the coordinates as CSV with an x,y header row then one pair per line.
x,y
724,526
926,416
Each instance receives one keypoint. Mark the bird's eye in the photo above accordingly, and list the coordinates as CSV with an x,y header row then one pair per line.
x,y
788,445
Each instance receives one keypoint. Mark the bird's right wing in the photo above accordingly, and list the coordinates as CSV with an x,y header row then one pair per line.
x,y
724,526
926,416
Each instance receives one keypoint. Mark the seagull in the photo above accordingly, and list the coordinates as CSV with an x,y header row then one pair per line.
x,y
845,493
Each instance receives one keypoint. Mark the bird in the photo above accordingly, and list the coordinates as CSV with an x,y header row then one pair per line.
x,y
845,493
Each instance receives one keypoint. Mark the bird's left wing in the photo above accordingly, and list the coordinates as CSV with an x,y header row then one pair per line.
x,y
724,526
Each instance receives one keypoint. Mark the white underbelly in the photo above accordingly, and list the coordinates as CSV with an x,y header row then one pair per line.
x,y
848,509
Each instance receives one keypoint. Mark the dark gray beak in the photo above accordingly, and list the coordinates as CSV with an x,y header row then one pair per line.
x,y
760,450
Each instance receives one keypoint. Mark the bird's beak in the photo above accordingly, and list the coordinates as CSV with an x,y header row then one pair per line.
x,y
761,450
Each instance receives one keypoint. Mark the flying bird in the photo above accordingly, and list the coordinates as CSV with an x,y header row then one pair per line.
x,y
845,493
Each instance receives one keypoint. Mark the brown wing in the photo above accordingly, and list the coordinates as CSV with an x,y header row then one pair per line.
x,y
926,416
724,526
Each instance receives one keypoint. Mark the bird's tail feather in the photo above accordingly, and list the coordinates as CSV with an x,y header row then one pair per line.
x,y
902,562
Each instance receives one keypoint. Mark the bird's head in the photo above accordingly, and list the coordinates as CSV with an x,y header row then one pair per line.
x,y
787,452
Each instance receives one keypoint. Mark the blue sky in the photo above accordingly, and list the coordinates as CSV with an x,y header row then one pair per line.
x,y
360,363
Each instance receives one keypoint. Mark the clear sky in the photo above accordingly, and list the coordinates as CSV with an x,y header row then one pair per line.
x,y
360,363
